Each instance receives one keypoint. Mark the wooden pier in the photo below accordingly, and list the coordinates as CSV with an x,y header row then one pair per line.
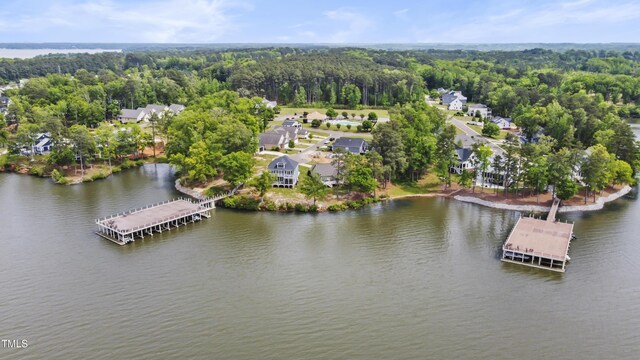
x,y
539,243
124,228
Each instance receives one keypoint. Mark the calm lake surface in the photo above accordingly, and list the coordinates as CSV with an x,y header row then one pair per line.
x,y
29,53
407,279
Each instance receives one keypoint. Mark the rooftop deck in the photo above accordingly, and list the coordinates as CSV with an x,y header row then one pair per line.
x,y
152,215
540,238
539,243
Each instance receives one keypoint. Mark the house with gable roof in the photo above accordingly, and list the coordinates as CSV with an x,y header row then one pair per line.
x,y
286,171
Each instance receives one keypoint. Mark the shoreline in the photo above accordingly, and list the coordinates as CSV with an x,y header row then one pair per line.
x,y
598,205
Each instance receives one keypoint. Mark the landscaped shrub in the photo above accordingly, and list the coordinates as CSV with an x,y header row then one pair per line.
x,y
99,175
241,202
58,178
37,170
268,205
127,164
336,207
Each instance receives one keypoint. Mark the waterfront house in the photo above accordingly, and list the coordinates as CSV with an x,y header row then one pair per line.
x,y
504,123
4,102
270,141
327,173
482,109
43,144
286,171
465,160
132,116
352,145
448,97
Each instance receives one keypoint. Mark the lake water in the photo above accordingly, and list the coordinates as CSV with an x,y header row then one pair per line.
x,y
406,279
29,53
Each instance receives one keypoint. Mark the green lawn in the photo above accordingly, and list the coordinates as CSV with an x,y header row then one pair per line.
x,y
294,191
501,136
293,110
428,184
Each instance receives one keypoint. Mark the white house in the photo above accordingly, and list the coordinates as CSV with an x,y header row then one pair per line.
x,y
132,116
157,109
464,160
456,104
504,123
291,123
286,171
448,97
482,109
269,104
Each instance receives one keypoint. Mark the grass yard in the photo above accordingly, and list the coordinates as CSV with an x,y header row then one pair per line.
x,y
426,185
501,136
293,110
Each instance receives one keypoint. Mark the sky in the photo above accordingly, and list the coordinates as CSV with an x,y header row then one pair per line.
x,y
326,21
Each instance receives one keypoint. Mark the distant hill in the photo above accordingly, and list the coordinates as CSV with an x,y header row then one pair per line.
x,y
560,47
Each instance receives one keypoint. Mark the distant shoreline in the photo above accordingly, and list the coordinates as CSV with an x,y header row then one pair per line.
x,y
9,53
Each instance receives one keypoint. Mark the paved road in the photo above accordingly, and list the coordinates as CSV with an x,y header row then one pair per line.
x,y
470,132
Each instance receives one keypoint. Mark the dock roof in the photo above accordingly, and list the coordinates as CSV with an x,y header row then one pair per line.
x,y
541,238
152,215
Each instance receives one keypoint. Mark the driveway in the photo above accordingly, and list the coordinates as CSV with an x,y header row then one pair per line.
x,y
497,150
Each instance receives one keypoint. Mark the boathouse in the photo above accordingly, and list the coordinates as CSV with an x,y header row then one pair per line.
x,y
539,243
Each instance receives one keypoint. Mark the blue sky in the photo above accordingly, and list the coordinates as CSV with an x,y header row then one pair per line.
x,y
327,21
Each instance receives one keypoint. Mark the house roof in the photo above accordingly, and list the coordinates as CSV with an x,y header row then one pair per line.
x,y
325,170
176,108
478,106
270,138
464,154
289,164
290,122
303,131
292,131
349,142
130,113
270,104
156,108
43,142
316,116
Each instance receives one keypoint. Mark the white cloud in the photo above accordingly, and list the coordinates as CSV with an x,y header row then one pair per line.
x,y
402,14
161,21
351,25
543,23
